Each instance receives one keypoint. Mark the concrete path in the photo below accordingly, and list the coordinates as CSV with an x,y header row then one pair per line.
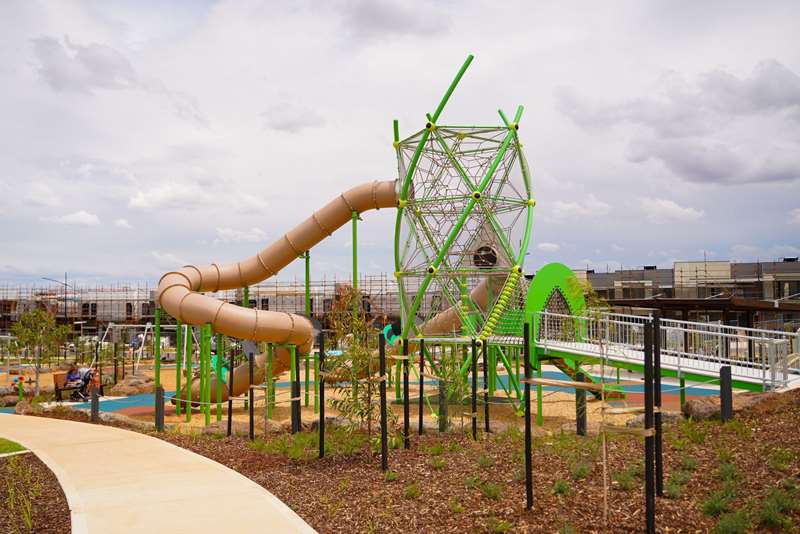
x,y
121,481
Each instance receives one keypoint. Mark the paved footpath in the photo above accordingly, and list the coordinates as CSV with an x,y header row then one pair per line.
x,y
120,481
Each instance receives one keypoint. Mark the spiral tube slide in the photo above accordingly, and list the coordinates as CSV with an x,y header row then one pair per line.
x,y
180,292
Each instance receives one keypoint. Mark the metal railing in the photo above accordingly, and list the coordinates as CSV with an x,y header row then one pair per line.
x,y
758,356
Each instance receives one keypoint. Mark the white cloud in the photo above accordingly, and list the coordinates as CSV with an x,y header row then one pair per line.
x,y
591,206
230,235
794,216
41,194
123,223
548,247
616,248
171,195
661,210
79,218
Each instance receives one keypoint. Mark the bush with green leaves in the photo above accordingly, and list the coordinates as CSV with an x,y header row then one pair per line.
x,y
412,491
732,523
561,487
490,490
719,501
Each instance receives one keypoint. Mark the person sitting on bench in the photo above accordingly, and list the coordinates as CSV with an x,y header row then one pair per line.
x,y
73,376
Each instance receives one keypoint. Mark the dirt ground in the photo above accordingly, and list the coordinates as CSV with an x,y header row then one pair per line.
x,y
33,484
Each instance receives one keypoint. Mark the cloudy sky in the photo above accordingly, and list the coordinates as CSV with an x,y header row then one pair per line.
x,y
141,135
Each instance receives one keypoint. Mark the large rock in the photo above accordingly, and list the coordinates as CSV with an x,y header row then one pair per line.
x,y
666,417
132,385
9,400
709,407
26,408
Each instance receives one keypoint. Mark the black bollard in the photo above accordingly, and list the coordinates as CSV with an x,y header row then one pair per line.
x,y
322,394
230,395
649,440
421,383
406,406
250,394
725,394
474,403
95,404
159,409
486,387
580,407
296,395
526,354
657,403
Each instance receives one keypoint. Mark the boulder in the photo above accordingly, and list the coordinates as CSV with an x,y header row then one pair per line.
x,y
9,400
709,407
26,408
132,385
666,417
238,428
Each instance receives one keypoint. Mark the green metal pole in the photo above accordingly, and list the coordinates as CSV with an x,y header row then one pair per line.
x,y
246,297
178,365
316,382
307,257
187,407
270,382
308,378
157,351
218,377
682,390
397,372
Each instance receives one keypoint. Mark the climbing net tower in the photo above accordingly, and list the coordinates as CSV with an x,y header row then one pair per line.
x,y
464,221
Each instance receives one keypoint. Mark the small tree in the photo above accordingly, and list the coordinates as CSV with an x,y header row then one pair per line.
x,y
37,330
353,334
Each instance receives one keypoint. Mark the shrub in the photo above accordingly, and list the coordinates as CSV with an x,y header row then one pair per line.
x,y
693,431
490,490
435,450
718,502
390,476
673,490
742,430
680,477
625,480
498,525
733,523
454,446
725,455
472,481
567,529
412,492
561,487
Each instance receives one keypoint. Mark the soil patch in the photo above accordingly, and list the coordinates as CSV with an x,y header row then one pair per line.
x,y
31,483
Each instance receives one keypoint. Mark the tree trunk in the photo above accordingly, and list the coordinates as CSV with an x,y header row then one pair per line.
x,y
37,368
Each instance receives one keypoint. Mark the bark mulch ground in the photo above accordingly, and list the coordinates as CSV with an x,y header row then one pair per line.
x,y
737,477
31,499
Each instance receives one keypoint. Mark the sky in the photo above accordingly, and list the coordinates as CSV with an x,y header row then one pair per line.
x,y
139,136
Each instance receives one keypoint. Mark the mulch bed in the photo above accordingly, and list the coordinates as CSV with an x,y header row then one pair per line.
x,y
29,476
477,486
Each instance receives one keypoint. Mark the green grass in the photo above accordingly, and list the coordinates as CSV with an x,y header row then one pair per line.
x,y
567,529
561,487
7,446
725,455
580,470
498,526
490,490
390,476
728,472
627,478
780,459
739,428
773,507
693,431
732,523
688,463
472,481
719,502
485,461
438,463
412,492
455,506
435,450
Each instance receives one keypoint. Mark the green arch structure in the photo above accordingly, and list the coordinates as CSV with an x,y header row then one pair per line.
x,y
551,277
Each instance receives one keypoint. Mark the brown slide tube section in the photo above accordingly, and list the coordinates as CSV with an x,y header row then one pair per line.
x,y
179,292
449,320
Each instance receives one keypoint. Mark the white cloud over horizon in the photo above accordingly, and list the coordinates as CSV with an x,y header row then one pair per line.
x,y
213,127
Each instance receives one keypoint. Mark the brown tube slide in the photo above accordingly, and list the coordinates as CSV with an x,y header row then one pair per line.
x,y
449,320
180,291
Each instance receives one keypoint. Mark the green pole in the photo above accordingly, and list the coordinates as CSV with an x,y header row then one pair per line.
x,y
617,375
270,382
397,394
316,382
178,365
20,389
307,257
246,297
308,378
157,351
218,377
683,389
187,407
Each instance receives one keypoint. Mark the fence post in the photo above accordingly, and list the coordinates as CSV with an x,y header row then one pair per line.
x,y
159,409
474,404
95,404
486,387
321,380
230,394
580,407
657,402
682,386
649,440
526,352
421,383
406,415
250,394
725,394
295,391
384,417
